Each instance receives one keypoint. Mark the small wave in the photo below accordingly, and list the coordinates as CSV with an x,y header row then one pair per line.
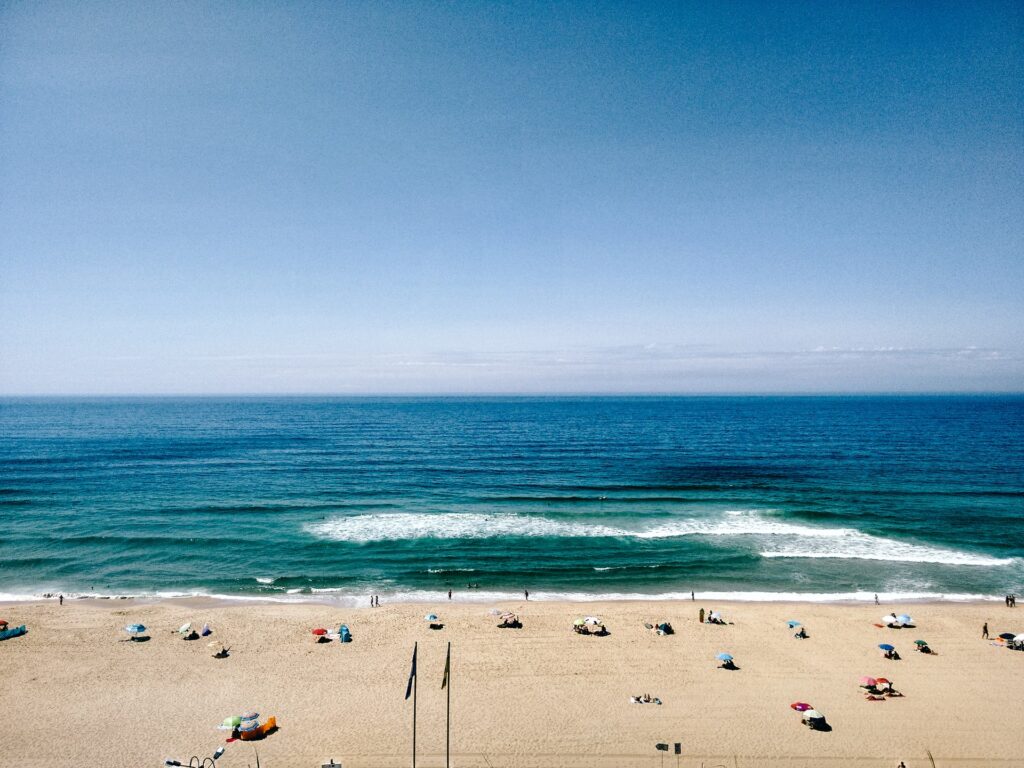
x,y
266,579
451,570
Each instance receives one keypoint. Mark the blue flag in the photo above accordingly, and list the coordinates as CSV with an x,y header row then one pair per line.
x,y
412,673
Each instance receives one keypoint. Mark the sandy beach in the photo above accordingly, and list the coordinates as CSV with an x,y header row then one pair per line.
x,y
536,696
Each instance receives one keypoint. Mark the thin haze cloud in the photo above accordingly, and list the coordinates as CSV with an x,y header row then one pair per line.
x,y
531,198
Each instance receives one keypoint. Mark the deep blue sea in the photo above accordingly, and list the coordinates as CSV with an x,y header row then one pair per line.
x,y
339,498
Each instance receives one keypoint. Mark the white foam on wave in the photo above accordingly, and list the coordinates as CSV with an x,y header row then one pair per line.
x,y
265,579
799,541
447,525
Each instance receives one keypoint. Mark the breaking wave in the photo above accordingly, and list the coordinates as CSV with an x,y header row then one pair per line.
x,y
769,537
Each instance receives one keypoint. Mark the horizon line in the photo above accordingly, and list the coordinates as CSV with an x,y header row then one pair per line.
x,y
523,395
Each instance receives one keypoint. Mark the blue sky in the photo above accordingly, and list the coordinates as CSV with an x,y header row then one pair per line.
x,y
491,197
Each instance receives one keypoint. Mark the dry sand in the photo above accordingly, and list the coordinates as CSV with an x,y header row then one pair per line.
x,y
74,694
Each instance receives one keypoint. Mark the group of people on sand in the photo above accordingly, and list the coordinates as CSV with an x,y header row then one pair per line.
x,y
1011,601
713,617
880,691
645,699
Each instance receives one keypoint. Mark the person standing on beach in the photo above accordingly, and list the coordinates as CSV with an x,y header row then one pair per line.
x,y
984,631
449,594
692,595
876,598
62,599
701,615
526,594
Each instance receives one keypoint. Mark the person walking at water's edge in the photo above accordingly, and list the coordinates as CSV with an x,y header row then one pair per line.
x,y
62,599
984,631
449,594
526,594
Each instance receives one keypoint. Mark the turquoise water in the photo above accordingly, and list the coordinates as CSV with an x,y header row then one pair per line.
x,y
333,498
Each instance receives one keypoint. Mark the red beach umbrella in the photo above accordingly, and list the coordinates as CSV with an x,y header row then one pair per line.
x,y
881,681
800,706
319,631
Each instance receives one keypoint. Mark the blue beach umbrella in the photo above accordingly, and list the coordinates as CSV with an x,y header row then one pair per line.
x,y
793,623
903,618
724,657
134,629
430,617
886,647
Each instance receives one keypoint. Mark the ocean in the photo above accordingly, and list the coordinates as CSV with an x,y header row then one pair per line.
x,y
335,499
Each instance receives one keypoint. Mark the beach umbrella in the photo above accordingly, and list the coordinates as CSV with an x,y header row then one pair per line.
x,y
231,722
813,714
495,611
882,681
793,624
903,618
724,657
250,715
868,682
430,617
800,706
206,630
508,617
319,631
715,615
890,619
1007,636
920,642
1019,638
886,647
184,628
248,725
592,620
579,623
134,629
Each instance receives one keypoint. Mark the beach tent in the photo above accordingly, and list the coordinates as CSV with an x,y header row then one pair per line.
x,y
344,635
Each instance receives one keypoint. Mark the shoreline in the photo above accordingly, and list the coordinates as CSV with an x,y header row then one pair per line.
x,y
229,601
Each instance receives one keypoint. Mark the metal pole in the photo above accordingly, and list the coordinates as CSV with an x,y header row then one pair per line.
x,y
448,714
415,679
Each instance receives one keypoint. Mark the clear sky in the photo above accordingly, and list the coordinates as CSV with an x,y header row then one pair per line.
x,y
511,197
